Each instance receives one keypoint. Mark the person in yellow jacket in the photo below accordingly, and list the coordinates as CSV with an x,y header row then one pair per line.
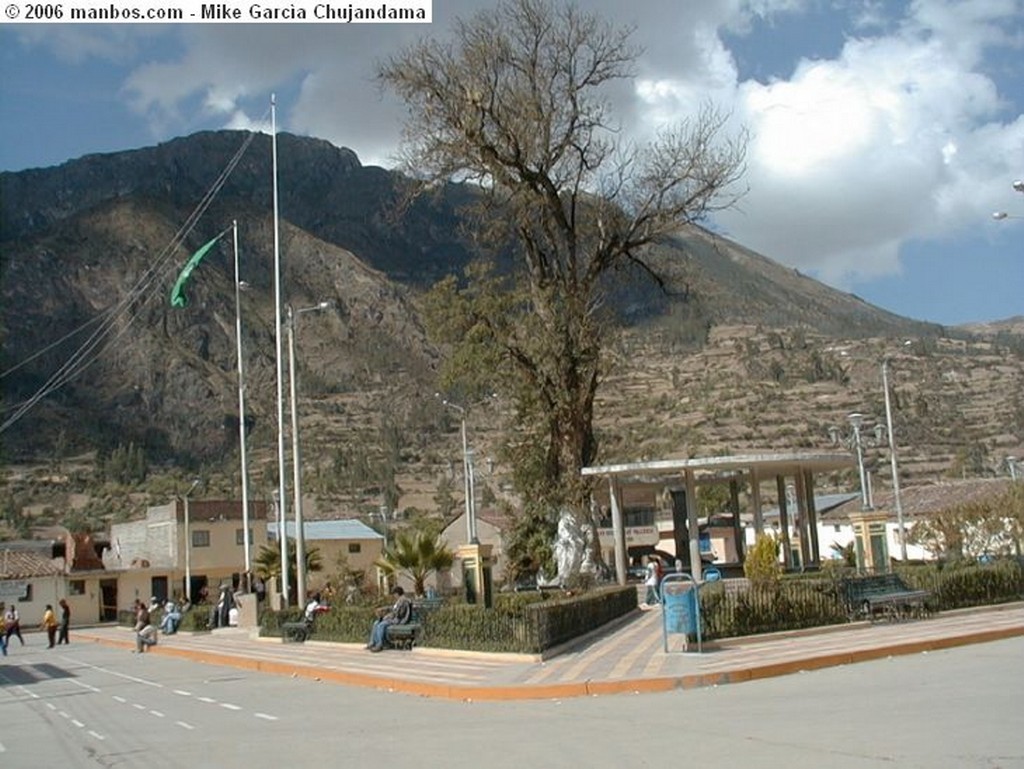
x,y
49,624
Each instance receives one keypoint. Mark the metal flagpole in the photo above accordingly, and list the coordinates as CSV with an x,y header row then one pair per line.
x,y
282,534
246,544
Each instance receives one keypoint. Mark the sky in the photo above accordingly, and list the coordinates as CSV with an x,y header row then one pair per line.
x,y
882,135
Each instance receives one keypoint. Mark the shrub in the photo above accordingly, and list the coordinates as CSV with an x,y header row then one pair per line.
x,y
762,565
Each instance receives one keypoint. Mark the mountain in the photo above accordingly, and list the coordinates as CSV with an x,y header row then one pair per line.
x,y
740,345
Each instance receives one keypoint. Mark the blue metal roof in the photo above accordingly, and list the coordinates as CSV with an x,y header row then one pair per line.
x,y
345,528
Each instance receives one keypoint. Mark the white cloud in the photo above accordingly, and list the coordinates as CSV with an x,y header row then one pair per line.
x,y
901,135
896,139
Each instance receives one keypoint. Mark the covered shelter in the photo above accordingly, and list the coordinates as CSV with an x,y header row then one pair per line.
x,y
682,476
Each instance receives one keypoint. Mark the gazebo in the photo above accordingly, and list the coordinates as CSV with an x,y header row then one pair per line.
x,y
682,476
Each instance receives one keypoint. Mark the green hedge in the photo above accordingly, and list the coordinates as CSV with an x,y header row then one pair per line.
x,y
534,621
523,622
813,599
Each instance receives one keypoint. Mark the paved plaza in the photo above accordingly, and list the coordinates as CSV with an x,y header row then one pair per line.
x,y
628,657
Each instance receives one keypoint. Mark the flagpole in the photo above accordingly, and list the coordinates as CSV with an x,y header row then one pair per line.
x,y
282,535
246,544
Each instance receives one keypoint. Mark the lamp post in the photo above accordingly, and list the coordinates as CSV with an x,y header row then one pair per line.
x,y
998,215
1011,465
856,442
892,460
467,472
467,485
246,544
188,544
300,534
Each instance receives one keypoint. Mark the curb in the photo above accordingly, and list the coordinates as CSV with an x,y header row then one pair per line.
x,y
588,688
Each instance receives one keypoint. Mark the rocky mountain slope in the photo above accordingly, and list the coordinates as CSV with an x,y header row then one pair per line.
x,y
743,353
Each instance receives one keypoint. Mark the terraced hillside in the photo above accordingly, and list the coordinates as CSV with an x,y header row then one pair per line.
x,y
958,411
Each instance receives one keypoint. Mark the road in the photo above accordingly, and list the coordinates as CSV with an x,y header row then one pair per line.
x,y
94,706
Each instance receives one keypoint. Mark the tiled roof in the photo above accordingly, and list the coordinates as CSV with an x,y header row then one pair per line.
x,y
933,498
21,565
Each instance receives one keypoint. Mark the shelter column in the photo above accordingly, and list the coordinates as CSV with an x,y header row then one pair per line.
x,y
618,532
803,518
812,517
787,551
692,525
755,501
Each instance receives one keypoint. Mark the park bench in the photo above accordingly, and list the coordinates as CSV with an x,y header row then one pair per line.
x,y
301,630
408,634
296,632
885,596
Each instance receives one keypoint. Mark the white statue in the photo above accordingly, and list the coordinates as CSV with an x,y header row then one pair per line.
x,y
570,547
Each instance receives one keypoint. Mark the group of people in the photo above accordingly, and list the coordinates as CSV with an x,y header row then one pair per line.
x,y
57,628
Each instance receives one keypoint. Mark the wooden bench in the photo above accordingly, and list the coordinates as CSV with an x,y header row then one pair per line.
x,y
885,596
408,634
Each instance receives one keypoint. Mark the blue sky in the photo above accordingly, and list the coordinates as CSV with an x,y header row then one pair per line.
x,y
883,135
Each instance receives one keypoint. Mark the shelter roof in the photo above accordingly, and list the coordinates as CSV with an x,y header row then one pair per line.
x,y
765,464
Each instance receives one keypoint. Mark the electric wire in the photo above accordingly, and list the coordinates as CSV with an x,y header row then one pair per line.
x,y
137,297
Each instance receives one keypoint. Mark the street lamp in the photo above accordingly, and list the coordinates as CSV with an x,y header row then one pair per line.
x,y
897,503
188,543
300,534
998,215
1011,465
246,544
466,472
856,442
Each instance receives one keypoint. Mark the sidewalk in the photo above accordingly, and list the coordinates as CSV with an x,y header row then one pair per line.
x,y
630,658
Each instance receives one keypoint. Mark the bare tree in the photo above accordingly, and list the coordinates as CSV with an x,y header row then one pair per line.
x,y
516,103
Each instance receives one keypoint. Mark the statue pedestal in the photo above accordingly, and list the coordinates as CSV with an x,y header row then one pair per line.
x,y
247,610
476,572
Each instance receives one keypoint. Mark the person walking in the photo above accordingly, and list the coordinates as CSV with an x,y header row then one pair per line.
x,y
651,583
12,625
49,624
65,622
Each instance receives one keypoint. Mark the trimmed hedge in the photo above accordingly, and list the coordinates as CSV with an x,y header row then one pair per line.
x,y
534,621
523,622
813,599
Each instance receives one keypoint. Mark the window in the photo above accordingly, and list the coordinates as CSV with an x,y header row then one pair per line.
x,y
76,587
28,594
240,537
355,547
200,538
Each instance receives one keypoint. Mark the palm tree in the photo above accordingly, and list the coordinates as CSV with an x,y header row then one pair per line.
x,y
417,555
267,563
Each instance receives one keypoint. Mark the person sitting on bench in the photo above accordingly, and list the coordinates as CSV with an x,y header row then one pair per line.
x,y
172,618
399,614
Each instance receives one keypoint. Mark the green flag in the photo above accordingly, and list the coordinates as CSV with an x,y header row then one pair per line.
x,y
178,298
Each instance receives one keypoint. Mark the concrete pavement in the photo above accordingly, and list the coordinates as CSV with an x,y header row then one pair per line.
x,y
629,657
